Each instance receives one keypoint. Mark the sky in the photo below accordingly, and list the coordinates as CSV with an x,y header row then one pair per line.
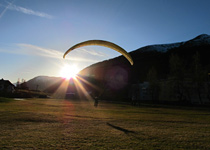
x,y
34,34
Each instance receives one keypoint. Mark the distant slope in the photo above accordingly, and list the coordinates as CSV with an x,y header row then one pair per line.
x,y
43,83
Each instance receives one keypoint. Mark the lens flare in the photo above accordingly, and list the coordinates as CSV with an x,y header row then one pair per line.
x,y
68,71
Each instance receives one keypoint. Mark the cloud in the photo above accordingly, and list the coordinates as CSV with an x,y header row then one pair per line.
x,y
29,49
11,6
82,55
36,50
5,9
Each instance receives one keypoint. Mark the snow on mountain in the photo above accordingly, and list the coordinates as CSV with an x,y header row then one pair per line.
x,y
199,40
161,47
202,39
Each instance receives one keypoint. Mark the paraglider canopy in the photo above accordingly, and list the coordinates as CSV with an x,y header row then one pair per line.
x,y
101,43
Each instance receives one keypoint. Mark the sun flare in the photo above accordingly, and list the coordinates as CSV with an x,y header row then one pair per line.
x,y
68,71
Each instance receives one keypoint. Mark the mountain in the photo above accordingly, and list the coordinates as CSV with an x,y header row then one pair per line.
x,y
116,75
43,83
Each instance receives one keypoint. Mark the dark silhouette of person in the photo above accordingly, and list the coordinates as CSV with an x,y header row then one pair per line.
x,y
96,101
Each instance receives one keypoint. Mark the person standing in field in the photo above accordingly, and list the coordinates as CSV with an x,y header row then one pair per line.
x,y
96,102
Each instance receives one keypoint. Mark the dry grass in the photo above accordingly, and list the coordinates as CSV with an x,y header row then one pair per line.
x,y
64,124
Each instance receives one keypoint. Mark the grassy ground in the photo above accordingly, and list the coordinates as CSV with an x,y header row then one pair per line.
x,y
64,124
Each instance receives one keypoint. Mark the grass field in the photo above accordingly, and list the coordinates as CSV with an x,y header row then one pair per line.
x,y
65,124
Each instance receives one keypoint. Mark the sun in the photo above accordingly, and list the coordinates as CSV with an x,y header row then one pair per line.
x,y
69,71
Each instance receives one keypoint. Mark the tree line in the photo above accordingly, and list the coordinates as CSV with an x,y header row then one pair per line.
x,y
186,82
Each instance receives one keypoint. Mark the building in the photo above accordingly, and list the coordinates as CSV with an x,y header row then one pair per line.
x,y
6,87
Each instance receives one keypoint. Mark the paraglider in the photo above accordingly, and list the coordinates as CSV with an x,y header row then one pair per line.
x,y
101,43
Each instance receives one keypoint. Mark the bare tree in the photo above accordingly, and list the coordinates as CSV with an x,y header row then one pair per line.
x,y
18,83
177,75
198,76
153,84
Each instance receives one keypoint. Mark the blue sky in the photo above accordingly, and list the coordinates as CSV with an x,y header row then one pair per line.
x,y
34,34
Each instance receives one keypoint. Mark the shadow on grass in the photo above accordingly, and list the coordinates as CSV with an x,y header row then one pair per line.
x,y
120,129
132,134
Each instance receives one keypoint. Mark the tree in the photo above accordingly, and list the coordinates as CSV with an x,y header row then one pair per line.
x,y
18,83
177,76
23,85
153,84
208,87
198,75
